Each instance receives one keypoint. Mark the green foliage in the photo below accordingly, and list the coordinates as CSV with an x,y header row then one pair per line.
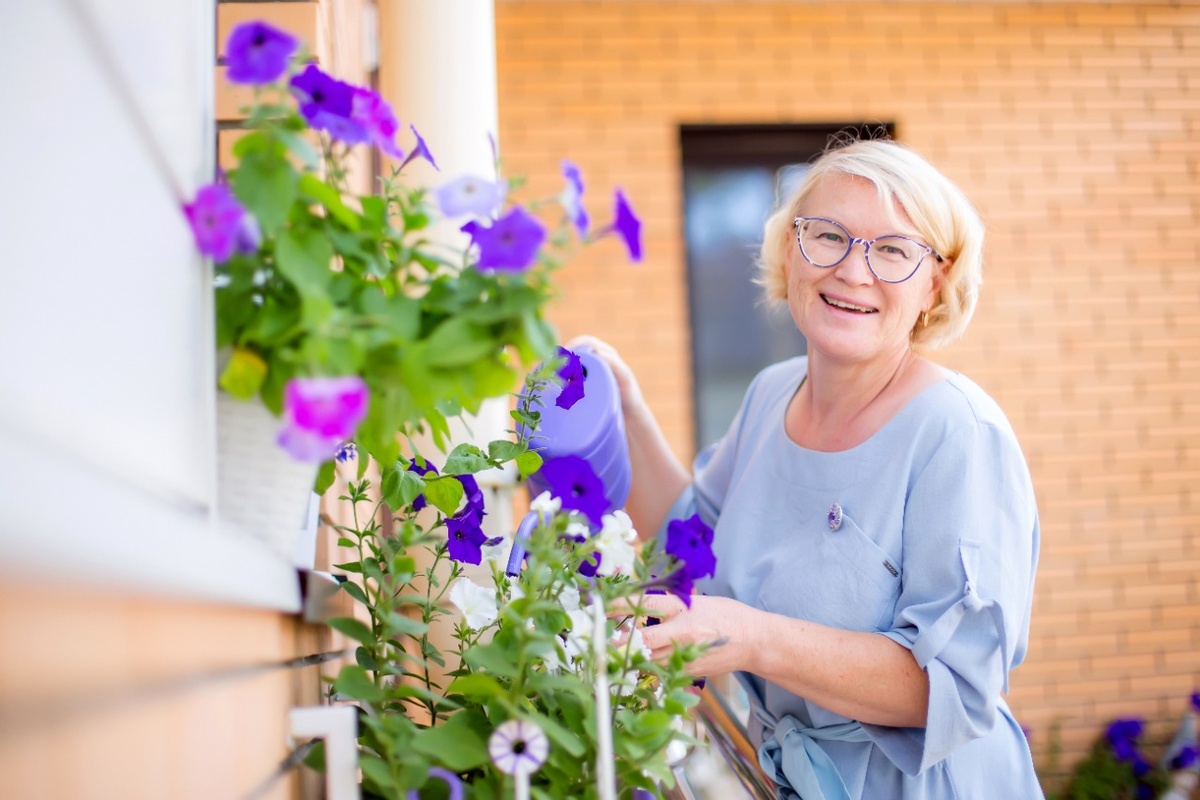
x,y
532,659
348,285
1100,775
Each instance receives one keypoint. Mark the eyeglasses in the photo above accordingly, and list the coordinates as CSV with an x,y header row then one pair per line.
x,y
892,258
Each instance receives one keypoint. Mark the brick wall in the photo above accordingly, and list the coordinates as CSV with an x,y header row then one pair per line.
x,y
1076,129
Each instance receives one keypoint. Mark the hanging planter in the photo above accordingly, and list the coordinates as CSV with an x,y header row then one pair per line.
x,y
260,487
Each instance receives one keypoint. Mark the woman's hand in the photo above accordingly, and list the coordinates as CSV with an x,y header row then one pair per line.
x,y
723,624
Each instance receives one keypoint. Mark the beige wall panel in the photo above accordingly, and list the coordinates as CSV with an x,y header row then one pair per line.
x,y
149,698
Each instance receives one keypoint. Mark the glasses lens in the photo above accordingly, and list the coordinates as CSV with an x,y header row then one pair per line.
x,y
894,258
823,243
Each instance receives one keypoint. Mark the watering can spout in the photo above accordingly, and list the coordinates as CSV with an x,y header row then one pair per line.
x,y
592,429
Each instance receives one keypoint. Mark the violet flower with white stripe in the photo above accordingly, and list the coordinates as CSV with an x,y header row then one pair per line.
x,y
518,747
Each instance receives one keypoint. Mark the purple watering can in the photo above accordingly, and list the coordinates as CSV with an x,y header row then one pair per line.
x,y
592,429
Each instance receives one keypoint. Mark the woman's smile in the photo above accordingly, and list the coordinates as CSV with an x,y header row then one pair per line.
x,y
842,304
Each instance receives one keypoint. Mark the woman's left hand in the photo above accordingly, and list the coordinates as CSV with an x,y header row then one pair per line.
x,y
723,624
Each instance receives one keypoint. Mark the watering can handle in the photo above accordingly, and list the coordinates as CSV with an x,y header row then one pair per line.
x,y
517,554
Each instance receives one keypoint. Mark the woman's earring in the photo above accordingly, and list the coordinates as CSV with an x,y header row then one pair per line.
x,y
924,321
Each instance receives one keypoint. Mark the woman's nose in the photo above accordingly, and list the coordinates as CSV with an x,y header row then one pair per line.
x,y
854,269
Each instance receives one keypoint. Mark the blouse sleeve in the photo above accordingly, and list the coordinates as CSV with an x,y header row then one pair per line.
x,y
969,555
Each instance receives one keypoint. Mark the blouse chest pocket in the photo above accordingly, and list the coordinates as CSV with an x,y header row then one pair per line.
x,y
831,574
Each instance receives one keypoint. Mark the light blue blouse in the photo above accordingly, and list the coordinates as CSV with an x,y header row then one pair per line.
x,y
936,549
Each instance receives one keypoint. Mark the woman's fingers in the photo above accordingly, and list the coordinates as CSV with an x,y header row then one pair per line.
x,y
663,606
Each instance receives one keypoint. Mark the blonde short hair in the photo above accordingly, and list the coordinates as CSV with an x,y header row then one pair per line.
x,y
940,211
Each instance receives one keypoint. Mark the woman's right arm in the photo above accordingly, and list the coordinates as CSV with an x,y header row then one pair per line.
x,y
658,477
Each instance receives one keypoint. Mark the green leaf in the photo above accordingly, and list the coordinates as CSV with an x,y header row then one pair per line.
x,y
400,315
376,771
325,477
465,459
244,374
528,463
298,146
493,658
303,258
457,342
560,735
375,209
400,624
400,487
328,196
353,682
503,450
538,340
457,742
266,184
476,685
443,491
354,590
355,629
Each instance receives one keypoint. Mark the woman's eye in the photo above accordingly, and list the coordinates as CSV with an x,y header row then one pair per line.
x,y
829,236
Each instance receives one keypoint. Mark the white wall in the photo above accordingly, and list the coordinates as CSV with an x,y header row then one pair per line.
x,y
106,369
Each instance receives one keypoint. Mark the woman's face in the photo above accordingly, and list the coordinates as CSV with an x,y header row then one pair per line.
x,y
844,311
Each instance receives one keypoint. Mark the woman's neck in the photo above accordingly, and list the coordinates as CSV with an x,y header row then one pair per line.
x,y
840,405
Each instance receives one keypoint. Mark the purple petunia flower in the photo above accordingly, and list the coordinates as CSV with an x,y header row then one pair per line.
x,y
469,195
249,235
258,53
375,115
677,582
465,538
420,502
1195,701
1185,758
1124,750
690,541
572,376
590,565
328,105
572,197
321,413
421,150
518,747
510,243
465,528
472,494
628,227
215,217
446,776
1124,730
572,480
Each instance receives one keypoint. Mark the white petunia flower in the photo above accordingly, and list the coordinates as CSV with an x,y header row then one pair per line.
x,y
477,604
579,638
569,597
515,592
546,506
614,543
496,553
577,528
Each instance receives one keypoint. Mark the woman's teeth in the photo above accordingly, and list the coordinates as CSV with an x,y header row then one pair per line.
x,y
848,306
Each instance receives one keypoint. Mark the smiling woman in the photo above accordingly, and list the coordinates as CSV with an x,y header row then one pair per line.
x,y
863,503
